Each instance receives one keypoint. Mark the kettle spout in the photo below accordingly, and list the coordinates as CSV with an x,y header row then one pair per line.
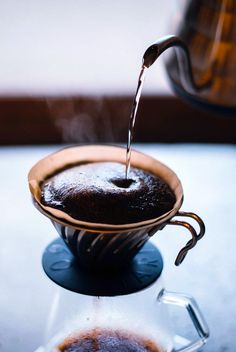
x,y
183,58
156,49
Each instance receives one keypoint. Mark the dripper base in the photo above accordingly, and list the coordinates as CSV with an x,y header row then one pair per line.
x,y
61,267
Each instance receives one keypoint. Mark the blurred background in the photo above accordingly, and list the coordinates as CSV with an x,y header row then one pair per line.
x,y
69,69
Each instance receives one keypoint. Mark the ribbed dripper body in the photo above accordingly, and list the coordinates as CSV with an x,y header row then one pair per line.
x,y
99,245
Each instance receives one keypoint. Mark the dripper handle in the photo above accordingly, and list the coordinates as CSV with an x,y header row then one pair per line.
x,y
183,59
195,236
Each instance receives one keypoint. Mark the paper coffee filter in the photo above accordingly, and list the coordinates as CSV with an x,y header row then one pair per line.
x,y
98,153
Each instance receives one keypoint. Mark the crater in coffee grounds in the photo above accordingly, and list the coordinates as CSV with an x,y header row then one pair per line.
x,y
107,341
98,192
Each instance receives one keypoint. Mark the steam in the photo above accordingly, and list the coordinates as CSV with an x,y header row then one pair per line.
x,y
84,120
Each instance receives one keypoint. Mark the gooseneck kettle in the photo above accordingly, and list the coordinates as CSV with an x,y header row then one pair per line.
x,y
202,69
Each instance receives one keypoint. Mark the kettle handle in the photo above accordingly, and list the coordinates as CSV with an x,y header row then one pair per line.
x,y
183,59
195,236
195,315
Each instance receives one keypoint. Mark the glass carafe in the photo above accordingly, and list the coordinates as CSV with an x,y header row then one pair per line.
x,y
143,314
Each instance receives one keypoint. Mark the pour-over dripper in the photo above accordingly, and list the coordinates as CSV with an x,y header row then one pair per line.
x,y
98,245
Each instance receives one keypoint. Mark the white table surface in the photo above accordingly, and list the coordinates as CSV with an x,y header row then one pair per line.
x,y
208,174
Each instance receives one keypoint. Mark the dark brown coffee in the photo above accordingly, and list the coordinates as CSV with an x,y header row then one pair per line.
x,y
98,192
99,340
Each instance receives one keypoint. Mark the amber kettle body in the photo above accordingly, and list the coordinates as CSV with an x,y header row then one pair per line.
x,y
208,28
